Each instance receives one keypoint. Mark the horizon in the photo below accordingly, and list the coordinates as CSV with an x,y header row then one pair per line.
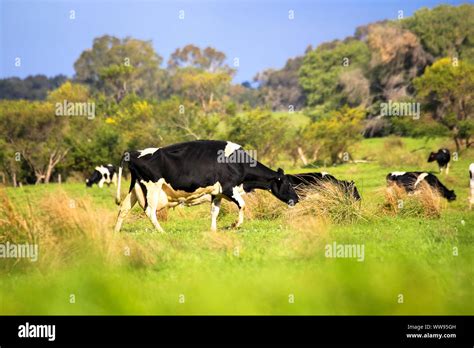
x,y
262,37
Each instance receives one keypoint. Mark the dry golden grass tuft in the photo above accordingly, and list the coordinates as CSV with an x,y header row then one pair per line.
x,y
328,201
263,205
425,202
67,229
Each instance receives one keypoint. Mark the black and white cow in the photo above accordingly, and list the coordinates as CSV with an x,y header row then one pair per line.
x,y
304,180
443,156
102,175
471,185
410,181
187,173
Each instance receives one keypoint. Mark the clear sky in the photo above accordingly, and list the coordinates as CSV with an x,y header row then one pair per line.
x,y
257,32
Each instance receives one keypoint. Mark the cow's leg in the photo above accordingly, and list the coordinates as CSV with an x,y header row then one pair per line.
x,y
215,207
237,199
101,183
140,195
447,168
155,199
125,207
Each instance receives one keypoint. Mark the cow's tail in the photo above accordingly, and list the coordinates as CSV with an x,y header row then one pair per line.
x,y
119,180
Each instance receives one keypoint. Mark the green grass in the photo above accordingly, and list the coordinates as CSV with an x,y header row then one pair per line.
x,y
256,269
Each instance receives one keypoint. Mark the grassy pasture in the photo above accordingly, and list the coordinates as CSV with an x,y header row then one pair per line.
x,y
274,264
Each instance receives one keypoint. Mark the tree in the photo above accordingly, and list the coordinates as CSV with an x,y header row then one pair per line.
x,y
203,87
321,69
208,59
33,130
335,133
32,88
445,30
397,58
280,88
200,75
121,66
259,130
183,120
447,89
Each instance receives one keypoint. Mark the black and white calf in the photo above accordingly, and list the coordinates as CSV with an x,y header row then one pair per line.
x,y
304,180
411,180
471,185
443,156
187,173
102,175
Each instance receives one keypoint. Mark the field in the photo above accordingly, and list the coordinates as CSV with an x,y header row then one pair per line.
x,y
274,264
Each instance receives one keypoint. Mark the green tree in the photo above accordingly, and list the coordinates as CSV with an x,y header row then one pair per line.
x,y
445,30
261,131
203,87
121,66
447,88
333,135
208,59
321,69
33,130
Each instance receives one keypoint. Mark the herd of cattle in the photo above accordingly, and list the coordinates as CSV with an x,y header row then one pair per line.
x,y
192,173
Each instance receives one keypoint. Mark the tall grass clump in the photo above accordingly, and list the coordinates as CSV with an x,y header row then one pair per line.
x,y
66,231
262,205
424,202
329,201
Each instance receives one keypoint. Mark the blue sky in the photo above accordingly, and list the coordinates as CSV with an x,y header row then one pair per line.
x,y
258,32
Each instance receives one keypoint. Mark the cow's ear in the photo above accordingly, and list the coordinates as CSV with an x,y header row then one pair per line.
x,y
280,171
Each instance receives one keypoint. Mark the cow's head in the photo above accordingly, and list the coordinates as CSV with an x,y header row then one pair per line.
x,y
450,195
282,189
432,157
94,179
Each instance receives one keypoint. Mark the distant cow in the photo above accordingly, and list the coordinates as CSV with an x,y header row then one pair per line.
x,y
102,175
443,156
304,180
411,180
471,185
186,173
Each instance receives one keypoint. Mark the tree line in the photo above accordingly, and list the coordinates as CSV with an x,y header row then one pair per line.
x,y
312,110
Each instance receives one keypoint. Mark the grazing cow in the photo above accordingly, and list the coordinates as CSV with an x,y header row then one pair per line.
x,y
410,181
187,173
471,185
102,175
443,156
304,180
